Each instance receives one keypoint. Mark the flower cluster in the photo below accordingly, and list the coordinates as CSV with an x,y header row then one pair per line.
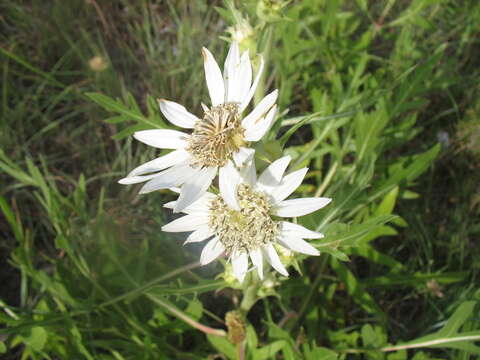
x,y
242,220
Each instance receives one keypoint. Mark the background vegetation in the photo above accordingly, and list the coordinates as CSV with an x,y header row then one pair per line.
x,y
378,98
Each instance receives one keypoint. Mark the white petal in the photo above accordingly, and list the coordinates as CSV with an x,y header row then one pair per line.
x,y
289,229
214,78
169,205
211,251
248,173
175,176
188,222
136,179
233,58
204,107
177,114
259,129
288,185
239,84
160,163
232,62
272,175
201,234
202,205
260,110
249,96
300,207
274,260
194,187
228,181
163,138
242,156
298,245
240,265
257,260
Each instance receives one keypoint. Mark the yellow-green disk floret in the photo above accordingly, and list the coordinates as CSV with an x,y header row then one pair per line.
x,y
247,229
217,136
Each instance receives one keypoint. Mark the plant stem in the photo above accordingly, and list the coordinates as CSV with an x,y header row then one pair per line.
x,y
428,343
249,298
241,351
431,343
203,328
313,289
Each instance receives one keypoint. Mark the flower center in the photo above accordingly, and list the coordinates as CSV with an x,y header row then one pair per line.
x,y
217,136
247,229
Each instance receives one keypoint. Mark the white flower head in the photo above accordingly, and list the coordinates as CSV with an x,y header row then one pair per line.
x,y
241,221
218,140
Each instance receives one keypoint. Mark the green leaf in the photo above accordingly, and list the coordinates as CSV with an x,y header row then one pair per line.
x,y
448,336
354,234
11,219
368,252
129,131
368,336
419,163
194,309
116,119
269,351
252,339
388,203
112,105
414,279
36,339
298,122
458,318
319,353
398,355
223,345
356,289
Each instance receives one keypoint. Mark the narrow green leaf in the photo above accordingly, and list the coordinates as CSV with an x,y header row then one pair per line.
x,y
37,338
223,345
8,213
112,105
269,351
354,234
414,279
458,318
356,289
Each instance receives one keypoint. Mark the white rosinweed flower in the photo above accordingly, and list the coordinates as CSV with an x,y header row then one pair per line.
x,y
242,221
218,140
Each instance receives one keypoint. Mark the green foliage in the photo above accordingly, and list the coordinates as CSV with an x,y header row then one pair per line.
x,y
363,86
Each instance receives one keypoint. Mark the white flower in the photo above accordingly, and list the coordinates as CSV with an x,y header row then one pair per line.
x,y
218,140
242,221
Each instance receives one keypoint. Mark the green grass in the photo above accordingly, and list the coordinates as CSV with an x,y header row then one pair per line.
x,y
365,86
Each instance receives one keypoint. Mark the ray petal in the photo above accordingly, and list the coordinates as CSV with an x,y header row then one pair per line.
x,y
299,245
228,180
300,207
288,185
260,110
162,138
211,251
257,260
289,229
260,128
274,260
177,114
240,265
214,78
250,93
194,187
